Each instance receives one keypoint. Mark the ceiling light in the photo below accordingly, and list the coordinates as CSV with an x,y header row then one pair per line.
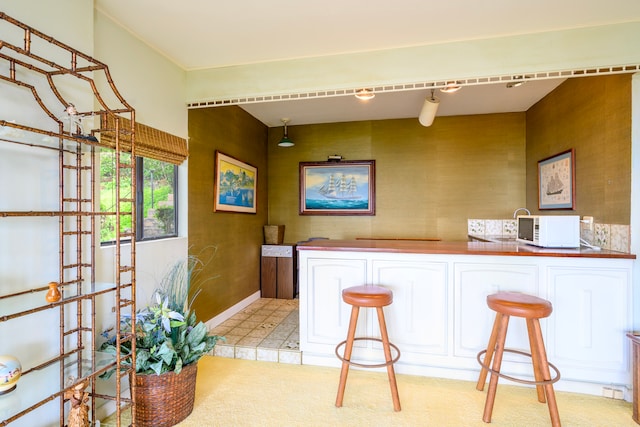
x,y
429,109
285,141
517,81
365,94
515,84
451,87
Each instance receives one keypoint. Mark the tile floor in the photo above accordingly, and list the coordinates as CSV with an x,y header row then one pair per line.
x,y
267,330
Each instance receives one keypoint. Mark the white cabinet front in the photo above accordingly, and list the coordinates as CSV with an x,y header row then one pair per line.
x,y
326,317
587,330
473,319
440,320
417,319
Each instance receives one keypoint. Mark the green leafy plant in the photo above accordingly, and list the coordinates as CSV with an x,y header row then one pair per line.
x,y
167,333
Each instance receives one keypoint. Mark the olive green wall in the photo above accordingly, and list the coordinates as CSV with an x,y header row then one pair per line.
x,y
428,180
593,116
234,272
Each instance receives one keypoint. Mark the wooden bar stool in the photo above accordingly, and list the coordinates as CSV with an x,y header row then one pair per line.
x,y
373,297
531,308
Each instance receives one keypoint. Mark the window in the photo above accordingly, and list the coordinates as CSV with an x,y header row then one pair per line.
x,y
156,198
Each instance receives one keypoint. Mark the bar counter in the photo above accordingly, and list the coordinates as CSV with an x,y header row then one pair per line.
x,y
506,248
439,318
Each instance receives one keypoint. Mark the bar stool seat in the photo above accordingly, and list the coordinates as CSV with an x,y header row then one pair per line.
x,y
369,297
532,309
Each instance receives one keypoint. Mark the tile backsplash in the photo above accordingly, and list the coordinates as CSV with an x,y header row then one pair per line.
x,y
614,237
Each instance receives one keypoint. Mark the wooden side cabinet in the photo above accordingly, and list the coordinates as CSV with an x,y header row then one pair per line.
x,y
278,271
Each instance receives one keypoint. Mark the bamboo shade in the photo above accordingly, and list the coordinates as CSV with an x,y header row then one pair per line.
x,y
150,142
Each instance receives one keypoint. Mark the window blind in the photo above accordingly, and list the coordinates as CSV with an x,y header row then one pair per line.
x,y
151,143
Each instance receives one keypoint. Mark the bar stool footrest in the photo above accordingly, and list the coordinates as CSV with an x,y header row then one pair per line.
x,y
364,365
519,380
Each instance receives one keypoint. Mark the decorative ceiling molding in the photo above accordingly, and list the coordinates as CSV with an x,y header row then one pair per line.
x,y
585,72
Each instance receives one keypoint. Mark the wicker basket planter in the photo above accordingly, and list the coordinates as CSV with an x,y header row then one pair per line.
x,y
165,400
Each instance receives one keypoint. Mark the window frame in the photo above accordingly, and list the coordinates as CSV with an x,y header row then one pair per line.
x,y
139,204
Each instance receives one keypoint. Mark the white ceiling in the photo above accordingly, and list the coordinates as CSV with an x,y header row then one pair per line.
x,y
480,99
198,34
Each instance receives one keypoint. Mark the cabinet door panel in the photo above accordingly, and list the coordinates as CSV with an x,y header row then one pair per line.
x,y
268,271
417,319
473,319
589,320
327,315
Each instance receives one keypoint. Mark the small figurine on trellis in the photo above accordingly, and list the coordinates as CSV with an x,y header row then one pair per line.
x,y
79,412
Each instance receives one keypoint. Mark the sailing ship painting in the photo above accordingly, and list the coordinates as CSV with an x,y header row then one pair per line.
x,y
556,181
340,188
337,188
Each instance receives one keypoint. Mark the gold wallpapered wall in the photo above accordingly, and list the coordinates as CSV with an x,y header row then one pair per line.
x,y
234,273
593,116
428,180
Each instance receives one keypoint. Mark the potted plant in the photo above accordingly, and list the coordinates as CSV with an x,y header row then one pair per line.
x,y
169,342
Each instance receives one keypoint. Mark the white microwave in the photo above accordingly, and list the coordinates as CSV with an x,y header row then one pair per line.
x,y
549,231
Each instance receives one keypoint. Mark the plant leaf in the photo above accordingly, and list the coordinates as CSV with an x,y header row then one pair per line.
x,y
197,334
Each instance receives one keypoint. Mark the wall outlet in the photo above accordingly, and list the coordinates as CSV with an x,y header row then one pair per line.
x,y
612,393
588,222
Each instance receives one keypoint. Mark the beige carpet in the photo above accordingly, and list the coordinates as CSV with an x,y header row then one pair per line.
x,y
234,392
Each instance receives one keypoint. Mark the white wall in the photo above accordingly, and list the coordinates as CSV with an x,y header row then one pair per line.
x,y
155,88
29,181
29,246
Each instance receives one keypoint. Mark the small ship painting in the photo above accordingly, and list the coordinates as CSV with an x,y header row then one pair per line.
x,y
554,186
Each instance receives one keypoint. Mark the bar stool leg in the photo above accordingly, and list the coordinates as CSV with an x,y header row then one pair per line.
x,y
387,356
482,379
543,368
497,362
535,359
347,354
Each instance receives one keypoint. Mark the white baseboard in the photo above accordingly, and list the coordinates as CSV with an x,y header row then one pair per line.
x,y
228,313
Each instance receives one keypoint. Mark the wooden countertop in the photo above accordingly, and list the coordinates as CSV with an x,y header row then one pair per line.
x,y
455,248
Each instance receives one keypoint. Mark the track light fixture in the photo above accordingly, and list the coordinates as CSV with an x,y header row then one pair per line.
x,y
429,109
365,94
517,81
451,87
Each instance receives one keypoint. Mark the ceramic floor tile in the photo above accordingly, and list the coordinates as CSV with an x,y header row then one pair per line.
x,y
246,353
267,354
250,341
240,331
222,350
266,330
250,323
221,330
243,315
291,357
232,339
231,323
258,333
272,343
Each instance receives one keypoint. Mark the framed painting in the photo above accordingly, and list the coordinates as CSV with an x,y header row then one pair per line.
x,y
234,185
338,188
557,181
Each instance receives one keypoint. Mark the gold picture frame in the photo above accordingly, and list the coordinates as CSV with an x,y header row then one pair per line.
x,y
235,185
338,188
